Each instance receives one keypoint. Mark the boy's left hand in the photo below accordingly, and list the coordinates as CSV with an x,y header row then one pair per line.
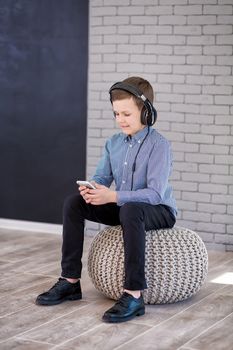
x,y
101,195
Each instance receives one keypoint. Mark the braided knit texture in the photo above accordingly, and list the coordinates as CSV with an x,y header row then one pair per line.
x,y
176,264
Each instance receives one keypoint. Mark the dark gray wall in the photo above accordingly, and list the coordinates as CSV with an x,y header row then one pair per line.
x,y
43,94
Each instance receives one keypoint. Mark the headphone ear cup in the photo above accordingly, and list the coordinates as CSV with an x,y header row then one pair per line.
x,y
144,115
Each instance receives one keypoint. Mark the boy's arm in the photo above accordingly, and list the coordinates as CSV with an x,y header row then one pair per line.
x,y
103,174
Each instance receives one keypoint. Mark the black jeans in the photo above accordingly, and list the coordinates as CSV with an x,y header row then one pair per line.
x,y
134,217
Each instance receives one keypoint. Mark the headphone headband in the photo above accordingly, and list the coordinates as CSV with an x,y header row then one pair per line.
x,y
149,116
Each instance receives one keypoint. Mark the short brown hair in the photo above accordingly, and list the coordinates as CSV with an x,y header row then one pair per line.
x,y
141,84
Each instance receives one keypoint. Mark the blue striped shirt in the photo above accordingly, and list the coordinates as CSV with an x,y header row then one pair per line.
x,y
152,171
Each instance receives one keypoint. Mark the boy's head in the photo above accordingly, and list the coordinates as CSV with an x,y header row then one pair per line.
x,y
132,104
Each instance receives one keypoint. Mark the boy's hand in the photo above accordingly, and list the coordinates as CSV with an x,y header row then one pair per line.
x,y
101,195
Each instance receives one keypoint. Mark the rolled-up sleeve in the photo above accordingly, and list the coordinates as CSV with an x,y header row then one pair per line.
x,y
103,174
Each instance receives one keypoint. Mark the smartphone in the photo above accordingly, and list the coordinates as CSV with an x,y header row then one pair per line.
x,y
86,183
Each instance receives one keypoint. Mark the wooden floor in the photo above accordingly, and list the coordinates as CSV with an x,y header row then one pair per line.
x,y
29,265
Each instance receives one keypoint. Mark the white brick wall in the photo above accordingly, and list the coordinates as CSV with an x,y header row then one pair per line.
x,y
185,49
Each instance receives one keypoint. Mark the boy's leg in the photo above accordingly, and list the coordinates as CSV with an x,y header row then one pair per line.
x,y
136,218
75,211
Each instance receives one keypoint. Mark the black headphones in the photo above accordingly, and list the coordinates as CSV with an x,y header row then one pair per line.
x,y
149,113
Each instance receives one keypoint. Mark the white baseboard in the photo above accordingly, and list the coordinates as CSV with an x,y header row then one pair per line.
x,y
30,226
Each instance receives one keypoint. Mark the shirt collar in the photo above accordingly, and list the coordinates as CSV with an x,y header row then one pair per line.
x,y
138,137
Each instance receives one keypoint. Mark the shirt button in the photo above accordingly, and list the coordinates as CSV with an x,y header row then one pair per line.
x,y
123,181
125,163
130,145
139,141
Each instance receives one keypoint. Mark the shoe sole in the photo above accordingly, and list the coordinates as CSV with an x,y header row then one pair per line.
x,y
56,302
139,312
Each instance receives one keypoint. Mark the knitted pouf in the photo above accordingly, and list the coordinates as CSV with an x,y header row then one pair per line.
x,y
176,264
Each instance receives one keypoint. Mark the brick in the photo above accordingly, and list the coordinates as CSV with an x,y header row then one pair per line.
x,y
199,138
217,90
174,136
219,29
158,10
100,30
117,20
217,50
216,70
102,67
215,129
200,79
181,146
173,78
227,19
211,208
103,11
158,68
172,20
224,199
130,10
217,10
117,2
188,10
224,39
207,2
187,205
143,39
223,140
201,59
169,59
187,50
224,159
144,20
222,219
185,186
145,2
212,188
158,49
171,39
116,39
225,60
186,108
198,177
171,116
174,2
187,69
200,20
230,229
130,49
201,119
170,97
157,29
230,211
214,149
199,158
163,88
142,58
188,224
131,29
182,166
224,100
115,58
196,216
221,238
224,119
211,227
130,67
201,40
187,30
199,99
194,128
214,110
213,169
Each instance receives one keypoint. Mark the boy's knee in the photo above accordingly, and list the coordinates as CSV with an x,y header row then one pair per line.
x,y
71,202
131,211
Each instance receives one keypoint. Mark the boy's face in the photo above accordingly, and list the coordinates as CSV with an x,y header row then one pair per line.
x,y
128,116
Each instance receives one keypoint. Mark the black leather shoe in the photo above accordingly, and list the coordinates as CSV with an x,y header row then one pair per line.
x,y
61,291
126,308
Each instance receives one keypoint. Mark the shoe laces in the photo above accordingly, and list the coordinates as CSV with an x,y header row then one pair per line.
x,y
59,282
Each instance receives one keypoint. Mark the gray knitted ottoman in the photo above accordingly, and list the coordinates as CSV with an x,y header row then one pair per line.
x,y
176,264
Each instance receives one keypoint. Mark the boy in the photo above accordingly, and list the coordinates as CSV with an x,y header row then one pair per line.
x,y
139,161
